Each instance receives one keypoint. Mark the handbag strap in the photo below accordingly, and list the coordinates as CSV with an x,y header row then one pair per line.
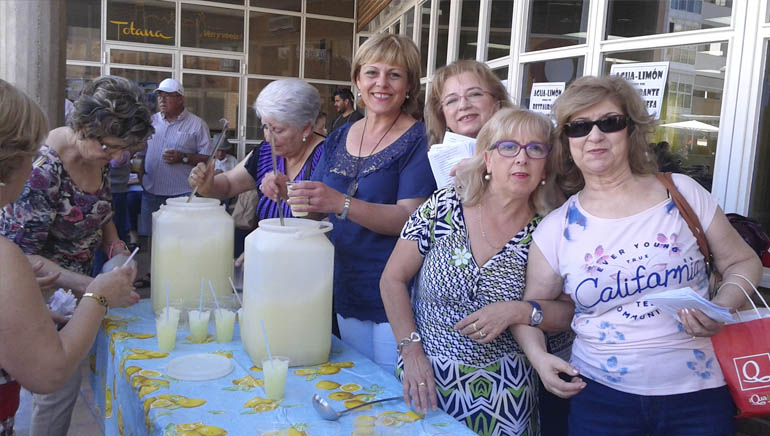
x,y
688,215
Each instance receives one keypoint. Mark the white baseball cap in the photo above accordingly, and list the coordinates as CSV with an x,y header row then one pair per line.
x,y
170,85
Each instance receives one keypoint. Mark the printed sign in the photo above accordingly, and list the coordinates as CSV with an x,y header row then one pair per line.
x,y
543,96
649,78
753,371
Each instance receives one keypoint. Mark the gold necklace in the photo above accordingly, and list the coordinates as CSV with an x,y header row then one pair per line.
x,y
483,233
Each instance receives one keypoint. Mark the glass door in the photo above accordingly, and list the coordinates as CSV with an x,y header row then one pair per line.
x,y
146,67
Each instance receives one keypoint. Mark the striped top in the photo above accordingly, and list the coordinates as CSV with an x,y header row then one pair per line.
x,y
260,163
188,134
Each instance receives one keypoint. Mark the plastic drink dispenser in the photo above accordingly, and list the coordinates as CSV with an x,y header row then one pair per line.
x,y
191,241
288,273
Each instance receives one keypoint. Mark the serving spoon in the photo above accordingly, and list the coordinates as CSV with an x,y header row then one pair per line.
x,y
328,413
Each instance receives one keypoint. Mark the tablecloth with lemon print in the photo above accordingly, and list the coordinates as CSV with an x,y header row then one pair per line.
x,y
135,396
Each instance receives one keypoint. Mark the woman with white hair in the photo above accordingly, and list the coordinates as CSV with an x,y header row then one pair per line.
x,y
288,109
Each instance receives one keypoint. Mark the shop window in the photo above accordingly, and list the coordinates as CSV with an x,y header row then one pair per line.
x,y
274,44
500,24
692,96
212,98
130,57
502,74
212,64
77,77
442,33
759,205
212,28
229,2
253,122
83,30
284,5
629,18
556,24
146,79
327,100
335,8
149,22
469,29
328,49
424,36
553,70
409,20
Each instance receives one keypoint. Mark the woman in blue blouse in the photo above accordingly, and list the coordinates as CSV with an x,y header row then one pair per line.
x,y
373,174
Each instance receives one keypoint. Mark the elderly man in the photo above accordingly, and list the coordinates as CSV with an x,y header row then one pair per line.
x,y
180,142
343,102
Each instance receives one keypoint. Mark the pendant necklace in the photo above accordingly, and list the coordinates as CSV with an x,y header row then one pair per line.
x,y
483,233
353,187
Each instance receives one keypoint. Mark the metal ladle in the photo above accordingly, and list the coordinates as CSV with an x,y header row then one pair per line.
x,y
223,135
328,413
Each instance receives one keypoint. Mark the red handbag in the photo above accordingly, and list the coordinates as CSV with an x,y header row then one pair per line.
x,y
743,352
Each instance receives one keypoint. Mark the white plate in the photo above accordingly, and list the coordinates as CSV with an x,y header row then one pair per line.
x,y
199,367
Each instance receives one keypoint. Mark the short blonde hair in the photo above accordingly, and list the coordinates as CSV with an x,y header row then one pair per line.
x,y
434,114
392,50
505,124
589,91
23,127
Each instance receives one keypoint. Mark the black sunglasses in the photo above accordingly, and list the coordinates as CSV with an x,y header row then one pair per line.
x,y
580,128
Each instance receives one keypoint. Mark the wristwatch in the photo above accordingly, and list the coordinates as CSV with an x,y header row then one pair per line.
x,y
185,158
536,317
99,299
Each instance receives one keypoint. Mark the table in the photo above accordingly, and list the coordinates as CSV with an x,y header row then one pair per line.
x,y
136,397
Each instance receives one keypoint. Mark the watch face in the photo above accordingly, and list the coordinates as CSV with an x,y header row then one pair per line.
x,y
537,317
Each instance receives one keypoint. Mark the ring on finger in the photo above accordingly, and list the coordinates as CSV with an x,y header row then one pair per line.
x,y
482,334
475,329
421,384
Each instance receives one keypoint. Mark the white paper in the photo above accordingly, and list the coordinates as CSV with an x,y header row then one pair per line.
x,y
443,157
675,300
649,78
543,96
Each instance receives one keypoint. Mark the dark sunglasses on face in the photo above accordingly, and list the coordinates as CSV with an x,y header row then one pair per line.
x,y
610,124
511,148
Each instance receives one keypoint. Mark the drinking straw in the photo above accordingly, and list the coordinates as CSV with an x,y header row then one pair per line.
x,y
267,344
168,305
237,297
203,286
211,286
130,257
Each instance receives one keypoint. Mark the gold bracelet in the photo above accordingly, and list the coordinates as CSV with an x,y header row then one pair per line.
x,y
99,299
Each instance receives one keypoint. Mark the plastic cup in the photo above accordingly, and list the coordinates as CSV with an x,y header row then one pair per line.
x,y
225,322
199,325
293,212
275,376
166,327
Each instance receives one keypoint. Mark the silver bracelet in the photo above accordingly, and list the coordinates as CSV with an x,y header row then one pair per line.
x,y
345,208
413,337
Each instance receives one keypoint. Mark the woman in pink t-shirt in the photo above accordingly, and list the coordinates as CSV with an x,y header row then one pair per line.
x,y
617,240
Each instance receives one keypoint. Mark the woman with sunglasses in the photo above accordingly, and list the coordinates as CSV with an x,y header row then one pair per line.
x,y
618,239
64,212
466,249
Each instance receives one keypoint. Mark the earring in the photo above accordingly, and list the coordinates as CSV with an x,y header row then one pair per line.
x,y
407,96
2,184
304,139
104,148
358,95
487,176
542,182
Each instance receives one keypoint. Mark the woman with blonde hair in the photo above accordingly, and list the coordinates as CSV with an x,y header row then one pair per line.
x,y
32,353
466,249
617,240
372,175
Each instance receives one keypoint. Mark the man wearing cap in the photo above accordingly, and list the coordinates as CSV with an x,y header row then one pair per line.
x,y
225,161
180,142
343,102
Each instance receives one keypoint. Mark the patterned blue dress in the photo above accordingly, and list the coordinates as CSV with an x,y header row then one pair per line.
x,y
489,387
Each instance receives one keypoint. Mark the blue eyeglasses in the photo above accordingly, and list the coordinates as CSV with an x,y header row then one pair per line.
x,y
511,148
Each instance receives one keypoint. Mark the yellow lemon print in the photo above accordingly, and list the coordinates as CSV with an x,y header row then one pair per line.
x,y
409,416
150,373
228,354
255,368
147,404
351,387
328,370
364,431
257,401
189,403
340,396
210,430
364,397
120,420
354,403
161,404
327,385
189,426
266,407
303,372
364,420
107,403
346,364
249,381
144,390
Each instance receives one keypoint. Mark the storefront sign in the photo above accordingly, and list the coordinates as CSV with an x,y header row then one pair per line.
x,y
128,28
543,96
649,78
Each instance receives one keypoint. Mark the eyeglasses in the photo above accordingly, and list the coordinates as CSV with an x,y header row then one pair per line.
x,y
580,128
162,96
452,102
112,148
511,148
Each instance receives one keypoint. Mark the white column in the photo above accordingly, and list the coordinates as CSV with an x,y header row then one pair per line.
x,y
33,38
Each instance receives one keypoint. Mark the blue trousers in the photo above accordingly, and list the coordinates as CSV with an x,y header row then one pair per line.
x,y
600,410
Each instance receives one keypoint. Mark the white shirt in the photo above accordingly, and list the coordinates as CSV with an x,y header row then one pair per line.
x,y
226,164
609,266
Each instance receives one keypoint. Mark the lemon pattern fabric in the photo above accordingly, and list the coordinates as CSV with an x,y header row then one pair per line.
x,y
134,396
489,387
